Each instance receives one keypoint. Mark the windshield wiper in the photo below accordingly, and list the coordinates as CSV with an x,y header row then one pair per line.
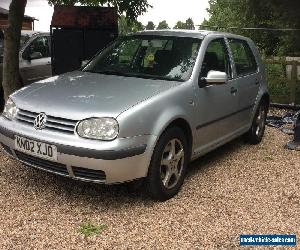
x,y
155,77
110,72
137,75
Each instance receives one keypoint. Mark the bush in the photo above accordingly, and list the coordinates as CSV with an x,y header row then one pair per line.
x,y
277,82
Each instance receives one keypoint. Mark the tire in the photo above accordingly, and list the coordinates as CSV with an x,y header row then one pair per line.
x,y
167,169
255,134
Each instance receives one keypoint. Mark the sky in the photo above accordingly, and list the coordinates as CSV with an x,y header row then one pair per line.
x,y
169,10
175,10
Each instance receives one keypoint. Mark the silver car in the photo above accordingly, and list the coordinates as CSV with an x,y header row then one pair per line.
x,y
141,109
34,56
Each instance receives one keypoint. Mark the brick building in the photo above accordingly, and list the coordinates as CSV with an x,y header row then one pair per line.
x,y
28,22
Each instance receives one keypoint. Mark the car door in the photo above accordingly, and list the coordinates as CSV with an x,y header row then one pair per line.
x,y
247,76
35,63
216,104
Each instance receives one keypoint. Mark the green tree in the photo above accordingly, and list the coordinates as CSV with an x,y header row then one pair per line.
x,y
163,25
189,24
259,13
180,25
150,26
127,26
11,80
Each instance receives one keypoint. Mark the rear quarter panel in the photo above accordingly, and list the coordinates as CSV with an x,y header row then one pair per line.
x,y
263,88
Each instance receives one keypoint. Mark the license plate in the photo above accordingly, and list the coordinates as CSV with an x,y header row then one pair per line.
x,y
35,148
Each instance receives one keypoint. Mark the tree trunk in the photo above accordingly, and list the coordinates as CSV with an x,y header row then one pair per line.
x,y
12,33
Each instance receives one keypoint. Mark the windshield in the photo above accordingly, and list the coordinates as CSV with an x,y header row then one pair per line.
x,y
154,57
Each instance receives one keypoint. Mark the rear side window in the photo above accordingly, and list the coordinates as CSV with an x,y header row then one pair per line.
x,y
244,59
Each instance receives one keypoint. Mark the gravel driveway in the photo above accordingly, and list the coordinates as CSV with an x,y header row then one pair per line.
x,y
234,190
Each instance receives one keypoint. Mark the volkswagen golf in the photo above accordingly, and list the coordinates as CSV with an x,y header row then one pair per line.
x,y
141,109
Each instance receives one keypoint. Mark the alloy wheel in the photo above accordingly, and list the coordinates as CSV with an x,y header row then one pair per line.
x,y
260,121
172,162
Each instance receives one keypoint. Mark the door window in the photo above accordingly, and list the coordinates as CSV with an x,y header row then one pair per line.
x,y
40,45
216,58
244,59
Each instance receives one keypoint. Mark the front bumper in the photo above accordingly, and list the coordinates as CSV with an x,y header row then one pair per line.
x,y
121,160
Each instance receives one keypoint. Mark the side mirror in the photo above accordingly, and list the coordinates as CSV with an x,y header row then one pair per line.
x,y
36,55
216,77
84,62
26,55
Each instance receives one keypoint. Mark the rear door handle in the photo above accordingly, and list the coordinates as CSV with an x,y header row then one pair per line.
x,y
233,90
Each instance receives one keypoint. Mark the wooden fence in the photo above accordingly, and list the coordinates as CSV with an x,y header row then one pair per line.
x,y
292,79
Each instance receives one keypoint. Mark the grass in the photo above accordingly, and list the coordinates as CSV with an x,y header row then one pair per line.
x,y
88,229
277,84
277,79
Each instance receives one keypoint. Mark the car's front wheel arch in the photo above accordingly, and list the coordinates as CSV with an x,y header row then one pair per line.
x,y
168,164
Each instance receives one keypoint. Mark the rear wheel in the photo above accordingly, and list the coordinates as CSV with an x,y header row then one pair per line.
x,y
257,130
168,165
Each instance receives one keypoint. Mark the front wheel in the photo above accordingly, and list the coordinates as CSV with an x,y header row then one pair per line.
x,y
255,134
168,165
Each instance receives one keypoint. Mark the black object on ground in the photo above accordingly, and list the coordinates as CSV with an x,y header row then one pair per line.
x,y
285,122
288,123
295,144
285,106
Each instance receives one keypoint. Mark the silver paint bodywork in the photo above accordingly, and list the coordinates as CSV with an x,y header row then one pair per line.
x,y
36,69
144,108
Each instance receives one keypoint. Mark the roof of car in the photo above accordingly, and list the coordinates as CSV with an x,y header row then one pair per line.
x,y
184,33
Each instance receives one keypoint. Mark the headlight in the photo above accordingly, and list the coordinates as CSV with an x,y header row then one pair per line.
x,y
105,129
10,110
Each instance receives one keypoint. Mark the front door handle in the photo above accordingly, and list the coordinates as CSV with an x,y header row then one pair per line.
x,y
233,90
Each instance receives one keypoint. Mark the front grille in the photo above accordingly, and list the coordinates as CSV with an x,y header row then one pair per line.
x,y
55,167
89,174
52,123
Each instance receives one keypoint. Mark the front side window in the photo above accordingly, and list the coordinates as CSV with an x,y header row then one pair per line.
x,y
216,58
243,57
39,46
155,57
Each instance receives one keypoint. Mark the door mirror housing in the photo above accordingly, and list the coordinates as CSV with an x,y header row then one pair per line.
x,y
213,78
26,55
36,55
216,77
